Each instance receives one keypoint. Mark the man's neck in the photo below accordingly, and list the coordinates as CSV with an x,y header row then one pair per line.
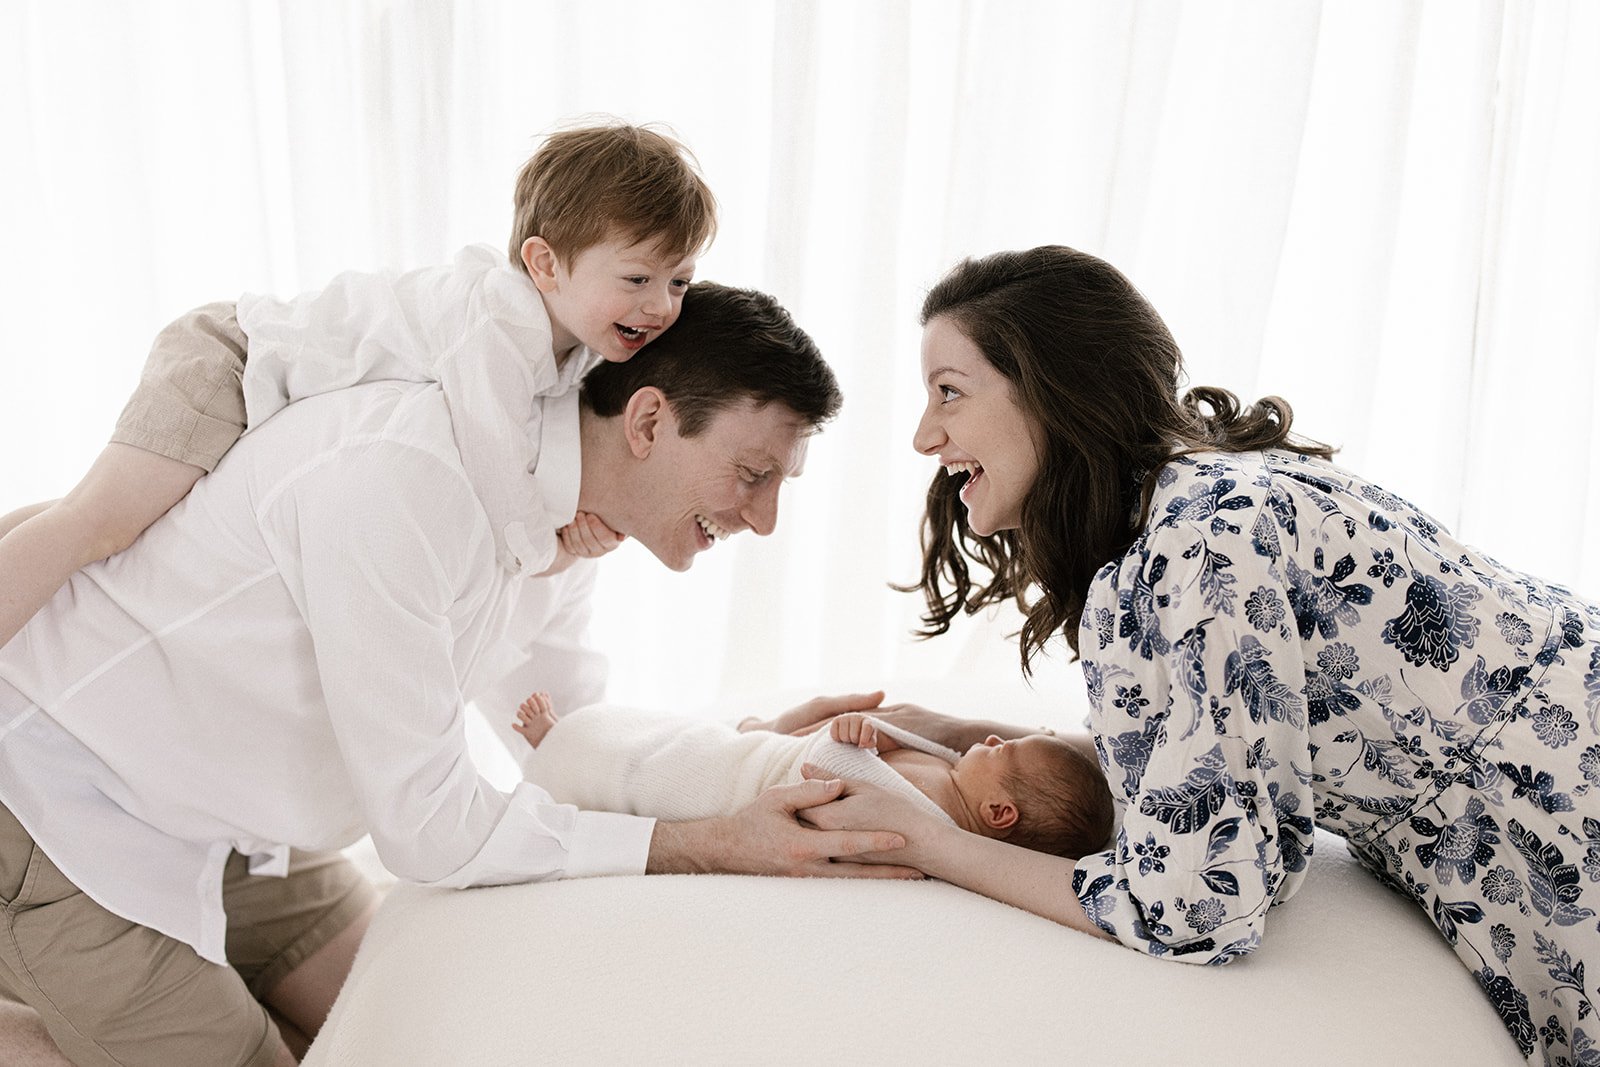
x,y
597,465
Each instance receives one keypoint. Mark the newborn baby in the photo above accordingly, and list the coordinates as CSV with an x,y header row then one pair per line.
x,y
1038,792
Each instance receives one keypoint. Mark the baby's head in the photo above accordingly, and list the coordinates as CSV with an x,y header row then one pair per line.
x,y
608,222
1039,792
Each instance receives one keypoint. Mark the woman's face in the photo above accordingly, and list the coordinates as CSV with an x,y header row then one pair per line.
x,y
975,428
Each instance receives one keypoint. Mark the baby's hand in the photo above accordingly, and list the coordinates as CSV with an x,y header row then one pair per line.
x,y
535,718
854,728
588,537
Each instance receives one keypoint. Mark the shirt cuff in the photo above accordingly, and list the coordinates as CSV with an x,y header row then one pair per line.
x,y
605,842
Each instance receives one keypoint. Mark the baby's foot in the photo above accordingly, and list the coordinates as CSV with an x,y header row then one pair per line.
x,y
535,717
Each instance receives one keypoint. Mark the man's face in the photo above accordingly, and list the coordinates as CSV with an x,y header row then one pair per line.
x,y
702,489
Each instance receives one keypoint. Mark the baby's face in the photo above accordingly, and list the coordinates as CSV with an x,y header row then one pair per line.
x,y
982,772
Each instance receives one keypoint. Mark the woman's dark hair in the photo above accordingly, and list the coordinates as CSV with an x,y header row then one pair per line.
x,y
1096,371
728,345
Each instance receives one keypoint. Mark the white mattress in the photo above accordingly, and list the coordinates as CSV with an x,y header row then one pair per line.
x,y
726,969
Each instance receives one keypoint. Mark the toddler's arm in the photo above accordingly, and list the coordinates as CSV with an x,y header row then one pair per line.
x,y
535,717
585,537
125,491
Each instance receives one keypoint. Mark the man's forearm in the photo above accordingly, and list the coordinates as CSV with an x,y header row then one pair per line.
x,y
686,847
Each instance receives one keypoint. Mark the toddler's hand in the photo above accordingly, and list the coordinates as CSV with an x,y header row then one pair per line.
x,y
535,717
588,537
854,728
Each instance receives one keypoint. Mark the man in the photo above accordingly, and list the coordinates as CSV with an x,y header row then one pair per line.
x,y
284,660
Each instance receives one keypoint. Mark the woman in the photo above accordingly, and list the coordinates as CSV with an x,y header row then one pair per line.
x,y
1270,642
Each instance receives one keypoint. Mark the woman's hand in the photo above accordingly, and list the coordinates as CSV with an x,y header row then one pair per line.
x,y
1033,881
813,713
861,806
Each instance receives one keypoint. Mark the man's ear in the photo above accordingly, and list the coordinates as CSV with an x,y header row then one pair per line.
x,y
645,419
999,813
540,259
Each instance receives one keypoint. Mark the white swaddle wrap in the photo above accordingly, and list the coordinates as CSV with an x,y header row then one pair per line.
x,y
610,758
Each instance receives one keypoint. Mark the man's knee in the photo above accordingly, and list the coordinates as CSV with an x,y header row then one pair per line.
x,y
110,991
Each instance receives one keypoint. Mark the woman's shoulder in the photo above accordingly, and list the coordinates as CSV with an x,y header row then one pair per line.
x,y
1202,501
1190,487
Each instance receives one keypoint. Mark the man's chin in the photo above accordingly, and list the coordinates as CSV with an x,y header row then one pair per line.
x,y
679,563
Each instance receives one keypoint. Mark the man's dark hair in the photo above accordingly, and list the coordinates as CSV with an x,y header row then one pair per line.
x,y
728,345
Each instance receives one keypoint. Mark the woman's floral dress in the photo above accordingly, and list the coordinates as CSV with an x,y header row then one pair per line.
x,y
1288,645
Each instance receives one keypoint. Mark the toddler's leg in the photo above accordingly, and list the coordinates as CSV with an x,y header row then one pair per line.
x,y
125,491
187,411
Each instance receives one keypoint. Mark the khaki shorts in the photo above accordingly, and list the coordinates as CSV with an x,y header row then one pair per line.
x,y
189,405
113,992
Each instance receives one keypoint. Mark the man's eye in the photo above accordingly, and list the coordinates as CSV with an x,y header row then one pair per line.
x,y
751,476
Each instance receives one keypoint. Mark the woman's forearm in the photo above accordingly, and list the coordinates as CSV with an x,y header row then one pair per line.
x,y
1032,881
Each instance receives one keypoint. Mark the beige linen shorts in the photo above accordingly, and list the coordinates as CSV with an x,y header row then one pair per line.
x,y
113,992
189,404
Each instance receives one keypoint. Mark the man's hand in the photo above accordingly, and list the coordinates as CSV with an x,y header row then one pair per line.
x,y
813,713
855,728
765,837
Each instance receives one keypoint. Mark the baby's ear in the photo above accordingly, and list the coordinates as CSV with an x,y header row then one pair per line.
x,y
1000,813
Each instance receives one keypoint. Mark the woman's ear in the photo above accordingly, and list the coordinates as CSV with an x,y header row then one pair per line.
x,y
644,420
540,259
999,813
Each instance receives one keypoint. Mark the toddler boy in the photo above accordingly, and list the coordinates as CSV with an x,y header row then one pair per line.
x,y
608,222
1038,792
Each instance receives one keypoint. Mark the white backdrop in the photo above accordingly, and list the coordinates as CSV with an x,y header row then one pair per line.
x,y
1387,211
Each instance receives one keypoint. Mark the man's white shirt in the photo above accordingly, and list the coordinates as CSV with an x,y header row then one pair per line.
x,y
283,660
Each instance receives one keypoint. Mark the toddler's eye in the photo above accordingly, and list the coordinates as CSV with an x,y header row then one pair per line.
x,y
681,283
637,279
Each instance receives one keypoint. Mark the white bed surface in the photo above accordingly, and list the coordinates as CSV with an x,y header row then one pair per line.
x,y
725,969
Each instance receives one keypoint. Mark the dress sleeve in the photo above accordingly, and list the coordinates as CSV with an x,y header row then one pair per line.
x,y
385,570
1197,690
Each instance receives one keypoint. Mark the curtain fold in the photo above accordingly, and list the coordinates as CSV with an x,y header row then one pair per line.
x,y
1387,212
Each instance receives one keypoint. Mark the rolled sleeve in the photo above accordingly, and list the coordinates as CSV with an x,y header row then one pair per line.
x,y
535,834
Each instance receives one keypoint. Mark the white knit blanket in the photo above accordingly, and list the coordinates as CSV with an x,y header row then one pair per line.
x,y
611,758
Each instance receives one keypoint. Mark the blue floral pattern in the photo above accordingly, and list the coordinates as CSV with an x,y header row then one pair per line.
x,y
1285,639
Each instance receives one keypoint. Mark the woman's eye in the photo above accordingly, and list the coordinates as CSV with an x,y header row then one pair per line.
x,y
948,393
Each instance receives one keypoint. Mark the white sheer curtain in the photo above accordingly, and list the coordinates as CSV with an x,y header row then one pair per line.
x,y
1388,212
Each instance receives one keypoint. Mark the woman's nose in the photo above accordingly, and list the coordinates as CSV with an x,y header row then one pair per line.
x,y
929,436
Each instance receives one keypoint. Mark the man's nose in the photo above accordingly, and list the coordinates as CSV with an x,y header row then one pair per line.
x,y
762,511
